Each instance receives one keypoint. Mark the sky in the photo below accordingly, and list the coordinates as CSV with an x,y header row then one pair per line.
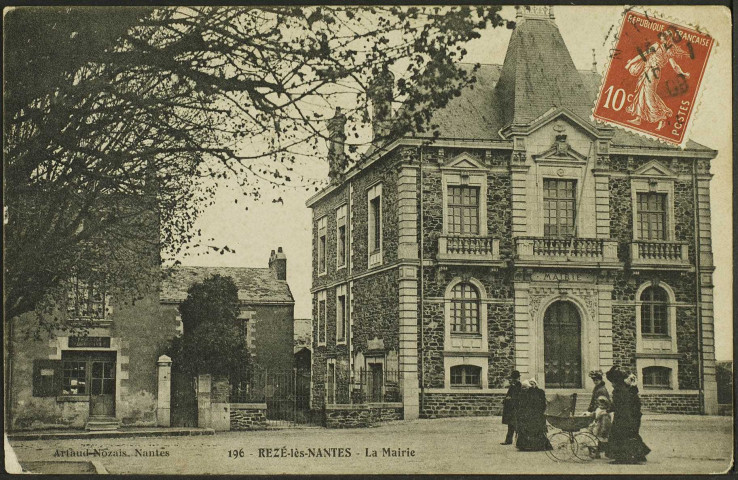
x,y
253,233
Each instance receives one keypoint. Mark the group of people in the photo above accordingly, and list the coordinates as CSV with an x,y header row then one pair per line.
x,y
616,420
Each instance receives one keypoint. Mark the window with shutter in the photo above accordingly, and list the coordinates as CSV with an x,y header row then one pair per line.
x,y
46,378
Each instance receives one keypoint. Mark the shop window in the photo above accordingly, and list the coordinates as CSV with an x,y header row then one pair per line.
x,y
46,377
465,309
466,376
657,377
654,311
74,377
559,207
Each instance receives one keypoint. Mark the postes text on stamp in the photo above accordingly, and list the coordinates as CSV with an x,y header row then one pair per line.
x,y
653,78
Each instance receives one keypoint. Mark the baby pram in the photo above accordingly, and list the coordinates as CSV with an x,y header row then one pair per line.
x,y
572,442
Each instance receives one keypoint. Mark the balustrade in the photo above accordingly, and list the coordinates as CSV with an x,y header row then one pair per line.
x,y
461,247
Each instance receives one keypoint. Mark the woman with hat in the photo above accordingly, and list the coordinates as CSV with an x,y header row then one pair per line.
x,y
510,406
531,425
600,390
625,443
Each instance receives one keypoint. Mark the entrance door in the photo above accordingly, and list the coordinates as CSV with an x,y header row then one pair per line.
x,y
562,352
375,382
102,386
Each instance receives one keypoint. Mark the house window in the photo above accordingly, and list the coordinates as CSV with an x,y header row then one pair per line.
x,y
74,377
464,309
652,216
654,311
321,317
466,376
330,383
463,210
322,230
559,207
374,197
86,300
657,377
341,237
341,314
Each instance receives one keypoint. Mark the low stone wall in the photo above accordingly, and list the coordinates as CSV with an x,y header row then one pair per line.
x,y
361,415
439,405
671,403
248,416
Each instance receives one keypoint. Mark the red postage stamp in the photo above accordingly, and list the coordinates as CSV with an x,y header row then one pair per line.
x,y
654,76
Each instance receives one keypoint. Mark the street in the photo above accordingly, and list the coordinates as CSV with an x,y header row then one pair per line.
x,y
679,443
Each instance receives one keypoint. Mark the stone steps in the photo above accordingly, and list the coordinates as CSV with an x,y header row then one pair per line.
x,y
97,423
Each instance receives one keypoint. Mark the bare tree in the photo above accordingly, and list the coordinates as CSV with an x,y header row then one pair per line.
x,y
121,122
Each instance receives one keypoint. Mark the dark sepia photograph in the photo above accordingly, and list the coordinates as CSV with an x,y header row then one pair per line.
x,y
331,239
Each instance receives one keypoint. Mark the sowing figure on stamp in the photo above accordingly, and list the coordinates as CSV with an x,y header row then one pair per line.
x,y
647,105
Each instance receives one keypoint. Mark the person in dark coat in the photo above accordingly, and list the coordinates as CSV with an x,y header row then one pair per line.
x,y
531,424
510,406
600,390
625,443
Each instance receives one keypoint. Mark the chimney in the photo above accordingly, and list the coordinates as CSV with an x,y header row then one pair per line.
x,y
380,92
278,264
336,145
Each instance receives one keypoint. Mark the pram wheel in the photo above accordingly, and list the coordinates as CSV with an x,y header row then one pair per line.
x,y
562,447
586,446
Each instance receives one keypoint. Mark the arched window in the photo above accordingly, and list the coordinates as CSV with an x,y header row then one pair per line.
x,y
654,311
464,309
466,376
657,377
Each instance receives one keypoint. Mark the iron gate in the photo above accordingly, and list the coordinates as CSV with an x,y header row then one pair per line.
x,y
286,394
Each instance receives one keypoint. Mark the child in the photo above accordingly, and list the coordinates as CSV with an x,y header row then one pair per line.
x,y
602,423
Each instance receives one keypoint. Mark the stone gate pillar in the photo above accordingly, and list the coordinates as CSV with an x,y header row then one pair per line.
x,y
204,416
164,367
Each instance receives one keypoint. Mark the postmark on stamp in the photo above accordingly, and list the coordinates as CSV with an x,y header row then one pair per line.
x,y
653,79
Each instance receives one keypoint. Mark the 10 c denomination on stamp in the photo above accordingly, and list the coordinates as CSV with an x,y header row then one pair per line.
x,y
654,77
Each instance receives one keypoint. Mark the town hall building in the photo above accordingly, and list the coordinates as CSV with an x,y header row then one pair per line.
x,y
525,236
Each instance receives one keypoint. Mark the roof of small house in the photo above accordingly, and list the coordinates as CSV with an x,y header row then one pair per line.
x,y
255,285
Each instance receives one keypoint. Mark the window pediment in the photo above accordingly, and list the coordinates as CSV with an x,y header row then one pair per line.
x,y
654,168
560,152
464,161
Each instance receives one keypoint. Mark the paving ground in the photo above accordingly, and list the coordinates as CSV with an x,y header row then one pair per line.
x,y
679,444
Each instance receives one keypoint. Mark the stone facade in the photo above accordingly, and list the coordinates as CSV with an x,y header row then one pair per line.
x,y
689,404
248,416
506,250
362,415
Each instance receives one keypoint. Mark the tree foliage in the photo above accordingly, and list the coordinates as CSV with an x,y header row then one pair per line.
x,y
123,121
214,341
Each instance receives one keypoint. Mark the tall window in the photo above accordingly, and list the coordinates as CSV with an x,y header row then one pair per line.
x,y
657,377
652,216
86,299
321,317
375,216
341,236
322,231
464,309
654,311
466,376
463,210
341,313
559,207
374,220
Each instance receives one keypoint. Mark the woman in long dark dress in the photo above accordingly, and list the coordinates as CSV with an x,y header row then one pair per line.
x,y
625,443
531,423
510,406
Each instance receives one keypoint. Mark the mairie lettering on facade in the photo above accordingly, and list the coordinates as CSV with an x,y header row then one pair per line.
x,y
524,237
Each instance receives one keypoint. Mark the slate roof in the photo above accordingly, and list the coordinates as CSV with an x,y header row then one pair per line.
x,y
255,285
538,74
